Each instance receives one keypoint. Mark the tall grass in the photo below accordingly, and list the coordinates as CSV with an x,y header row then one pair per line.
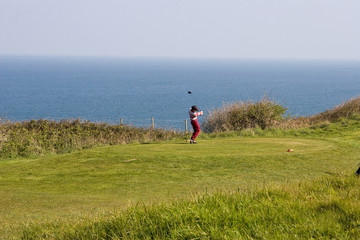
x,y
37,137
268,114
347,109
323,209
344,110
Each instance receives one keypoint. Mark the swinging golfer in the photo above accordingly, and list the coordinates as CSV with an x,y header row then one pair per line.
x,y
194,113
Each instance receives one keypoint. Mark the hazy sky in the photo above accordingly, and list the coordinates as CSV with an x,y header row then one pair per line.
x,y
182,28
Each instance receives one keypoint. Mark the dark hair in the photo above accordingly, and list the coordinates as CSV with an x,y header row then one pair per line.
x,y
194,108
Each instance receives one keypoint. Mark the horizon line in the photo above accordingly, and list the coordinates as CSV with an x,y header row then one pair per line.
x,y
180,57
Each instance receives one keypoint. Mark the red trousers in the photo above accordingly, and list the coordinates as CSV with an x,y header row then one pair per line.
x,y
196,127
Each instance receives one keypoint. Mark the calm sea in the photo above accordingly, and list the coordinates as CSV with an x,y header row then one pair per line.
x,y
108,89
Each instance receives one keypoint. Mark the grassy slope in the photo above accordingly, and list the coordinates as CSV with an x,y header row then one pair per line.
x,y
325,209
82,184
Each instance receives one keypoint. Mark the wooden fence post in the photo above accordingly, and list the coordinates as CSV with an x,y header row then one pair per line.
x,y
153,123
186,129
121,121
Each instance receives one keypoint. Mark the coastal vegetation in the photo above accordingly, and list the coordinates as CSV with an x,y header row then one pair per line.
x,y
238,184
39,137
244,115
267,113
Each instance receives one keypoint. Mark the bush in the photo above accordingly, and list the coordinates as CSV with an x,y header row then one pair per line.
x,y
37,137
243,115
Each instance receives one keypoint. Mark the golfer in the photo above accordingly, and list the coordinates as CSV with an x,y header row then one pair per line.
x,y
194,113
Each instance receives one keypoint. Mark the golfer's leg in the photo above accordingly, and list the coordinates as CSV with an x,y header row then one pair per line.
x,y
196,127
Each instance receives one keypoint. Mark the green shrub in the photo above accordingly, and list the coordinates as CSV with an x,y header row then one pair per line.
x,y
242,115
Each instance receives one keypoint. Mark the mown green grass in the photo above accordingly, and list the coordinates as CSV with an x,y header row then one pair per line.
x,y
325,209
75,187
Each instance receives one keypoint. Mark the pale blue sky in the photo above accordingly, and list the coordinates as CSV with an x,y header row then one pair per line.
x,y
300,29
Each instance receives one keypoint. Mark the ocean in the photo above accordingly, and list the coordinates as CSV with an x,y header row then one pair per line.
x,y
138,89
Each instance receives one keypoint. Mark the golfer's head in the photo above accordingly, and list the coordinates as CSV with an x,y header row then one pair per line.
x,y
194,108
